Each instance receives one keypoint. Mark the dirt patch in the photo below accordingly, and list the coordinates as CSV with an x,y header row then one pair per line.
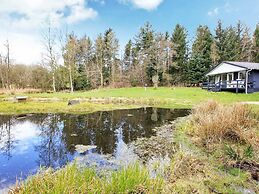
x,y
249,166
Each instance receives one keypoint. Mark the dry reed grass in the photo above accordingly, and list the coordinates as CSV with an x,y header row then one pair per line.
x,y
213,122
19,91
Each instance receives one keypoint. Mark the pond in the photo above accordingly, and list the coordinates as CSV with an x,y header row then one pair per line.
x,y
30,141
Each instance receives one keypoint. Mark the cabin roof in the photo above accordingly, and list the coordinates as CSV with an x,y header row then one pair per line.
x,y
247,65
233,66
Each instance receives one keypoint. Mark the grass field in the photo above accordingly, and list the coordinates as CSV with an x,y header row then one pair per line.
x,y
129,98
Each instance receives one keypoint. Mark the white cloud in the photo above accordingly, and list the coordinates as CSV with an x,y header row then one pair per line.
x,y
143,4
226,8
24,47
214,12
21,21
79,13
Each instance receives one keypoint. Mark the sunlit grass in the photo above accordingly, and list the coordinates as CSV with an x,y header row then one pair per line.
x,y
71,179
108,99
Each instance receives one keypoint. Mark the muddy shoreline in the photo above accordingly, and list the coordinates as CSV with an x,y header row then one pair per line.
x,y
161,145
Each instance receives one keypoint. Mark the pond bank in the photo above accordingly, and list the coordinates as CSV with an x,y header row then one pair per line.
x,y
111,99
194,156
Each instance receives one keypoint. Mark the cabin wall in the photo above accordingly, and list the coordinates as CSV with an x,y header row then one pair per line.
x,y
254,77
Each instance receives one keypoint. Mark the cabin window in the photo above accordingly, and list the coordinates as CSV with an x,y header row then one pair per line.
x,y
230,77
224,77
235,75
241,75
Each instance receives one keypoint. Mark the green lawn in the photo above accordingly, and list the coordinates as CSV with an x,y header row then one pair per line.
x,y
162,97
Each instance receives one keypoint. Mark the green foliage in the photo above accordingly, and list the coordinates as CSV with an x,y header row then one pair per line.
x,y
82,83
248,152
232,153
201,60
256,44
179,54
71,179
238,154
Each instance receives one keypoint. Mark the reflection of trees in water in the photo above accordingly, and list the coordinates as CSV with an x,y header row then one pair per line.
x,y
7,138
57,131
99,128
51,146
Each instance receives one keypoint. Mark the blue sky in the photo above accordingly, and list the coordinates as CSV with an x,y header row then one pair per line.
x,y
23,20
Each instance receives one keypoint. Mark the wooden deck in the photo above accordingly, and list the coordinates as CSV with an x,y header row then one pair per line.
x,y
234,86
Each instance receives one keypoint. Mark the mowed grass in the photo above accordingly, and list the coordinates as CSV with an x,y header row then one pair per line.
x,y
164,97
179,94
56,107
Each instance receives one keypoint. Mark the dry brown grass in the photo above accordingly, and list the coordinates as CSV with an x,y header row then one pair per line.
x,y
213,122
19,91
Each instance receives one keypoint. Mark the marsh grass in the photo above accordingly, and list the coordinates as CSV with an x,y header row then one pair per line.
x,y
71,179
202,165
213,122
191,173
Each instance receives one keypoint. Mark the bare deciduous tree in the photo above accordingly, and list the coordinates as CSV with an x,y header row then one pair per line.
x,y
50,55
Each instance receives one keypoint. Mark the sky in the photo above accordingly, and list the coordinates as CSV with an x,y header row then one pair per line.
x,y
24,21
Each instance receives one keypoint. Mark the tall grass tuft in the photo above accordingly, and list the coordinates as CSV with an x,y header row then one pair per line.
x,y
71,179
134,179
214,122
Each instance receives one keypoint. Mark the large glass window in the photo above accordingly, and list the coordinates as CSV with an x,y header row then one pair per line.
x,y
230,77
224,77
235,75
241,75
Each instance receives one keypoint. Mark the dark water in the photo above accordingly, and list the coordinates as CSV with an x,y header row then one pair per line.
x,y
49,139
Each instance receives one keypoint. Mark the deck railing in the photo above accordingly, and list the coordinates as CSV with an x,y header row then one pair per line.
x,y
218,86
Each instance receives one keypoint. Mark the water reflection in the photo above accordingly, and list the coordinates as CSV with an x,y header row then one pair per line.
x,y
49,139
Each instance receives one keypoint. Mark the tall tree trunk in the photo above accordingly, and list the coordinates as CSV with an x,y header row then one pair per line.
x,y
1,73
101,76
8,64
113,73
71,79
53,82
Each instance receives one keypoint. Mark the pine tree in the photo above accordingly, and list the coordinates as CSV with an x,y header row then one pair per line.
x,y
84,63
111,47
220,41
256,45
128,56
179,56
99,60
200,61
246,46
229,42
70,51
144,53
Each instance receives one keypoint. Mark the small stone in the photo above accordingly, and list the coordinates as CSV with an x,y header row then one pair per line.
x,y
73,102
82,149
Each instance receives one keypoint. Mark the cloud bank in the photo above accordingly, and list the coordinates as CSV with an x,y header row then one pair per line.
x,y
22,20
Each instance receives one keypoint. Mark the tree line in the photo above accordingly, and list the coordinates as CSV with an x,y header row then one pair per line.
x,y
150,58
